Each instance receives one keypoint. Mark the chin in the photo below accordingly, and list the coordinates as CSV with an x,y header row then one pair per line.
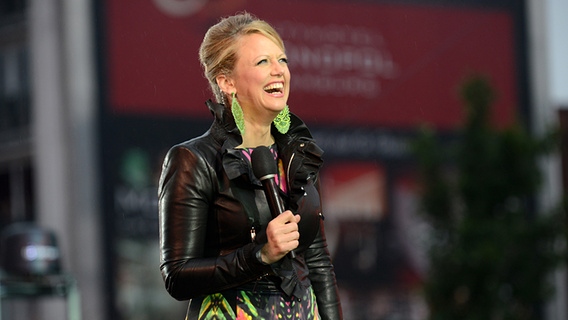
x,y
276,107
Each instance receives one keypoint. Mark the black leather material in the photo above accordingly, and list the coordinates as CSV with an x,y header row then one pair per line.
x,y
209,200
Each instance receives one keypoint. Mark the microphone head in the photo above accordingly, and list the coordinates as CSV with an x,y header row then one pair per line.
x,y
263,164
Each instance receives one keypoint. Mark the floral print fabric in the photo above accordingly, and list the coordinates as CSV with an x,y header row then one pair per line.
x,y
249,305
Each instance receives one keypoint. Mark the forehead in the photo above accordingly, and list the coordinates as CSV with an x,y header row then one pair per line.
x,y
256,44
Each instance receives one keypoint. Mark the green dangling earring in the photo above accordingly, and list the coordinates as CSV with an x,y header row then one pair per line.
x,y
237,112
282,120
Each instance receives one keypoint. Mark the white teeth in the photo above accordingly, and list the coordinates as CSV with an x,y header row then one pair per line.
x,y
274,86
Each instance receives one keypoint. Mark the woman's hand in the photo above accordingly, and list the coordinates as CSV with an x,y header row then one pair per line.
x,y
283,237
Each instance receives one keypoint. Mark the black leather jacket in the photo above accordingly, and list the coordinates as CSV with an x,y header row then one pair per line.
x,y
209,200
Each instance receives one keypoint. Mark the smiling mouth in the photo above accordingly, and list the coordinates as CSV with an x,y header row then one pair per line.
x,y
274,88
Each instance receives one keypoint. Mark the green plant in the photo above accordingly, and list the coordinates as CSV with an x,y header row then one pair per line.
x,y
490,252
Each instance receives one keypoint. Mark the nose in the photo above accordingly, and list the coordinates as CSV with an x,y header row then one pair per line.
x,y
278,69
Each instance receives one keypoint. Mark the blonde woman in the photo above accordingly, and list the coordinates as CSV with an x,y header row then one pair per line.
x,y
220,246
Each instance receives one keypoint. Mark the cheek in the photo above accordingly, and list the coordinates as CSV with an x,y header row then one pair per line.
x,y
254,81
247,85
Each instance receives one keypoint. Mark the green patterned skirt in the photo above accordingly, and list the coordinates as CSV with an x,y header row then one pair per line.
x,y
248,305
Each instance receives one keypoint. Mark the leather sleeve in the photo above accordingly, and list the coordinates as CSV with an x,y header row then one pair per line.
x,y
322,276
186,193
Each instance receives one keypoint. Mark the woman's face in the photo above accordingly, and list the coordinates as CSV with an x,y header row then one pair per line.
x,y
261,77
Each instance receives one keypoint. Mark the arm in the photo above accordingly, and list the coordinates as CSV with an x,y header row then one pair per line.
x,y
322,277
186,191
322,274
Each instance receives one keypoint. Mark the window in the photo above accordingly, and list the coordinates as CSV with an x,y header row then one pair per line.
x,y
16,178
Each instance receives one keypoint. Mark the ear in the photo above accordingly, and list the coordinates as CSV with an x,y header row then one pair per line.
x,y
225,84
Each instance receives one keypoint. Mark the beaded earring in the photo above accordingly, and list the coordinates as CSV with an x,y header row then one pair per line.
x,y
237,112
282,120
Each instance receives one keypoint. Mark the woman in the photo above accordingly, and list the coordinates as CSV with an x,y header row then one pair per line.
x,y
220,246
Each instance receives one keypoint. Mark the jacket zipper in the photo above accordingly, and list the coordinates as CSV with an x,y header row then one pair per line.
x,y
302,145
288,169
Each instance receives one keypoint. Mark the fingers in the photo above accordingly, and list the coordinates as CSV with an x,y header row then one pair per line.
x,y
283,236
286,225
284,232
287,217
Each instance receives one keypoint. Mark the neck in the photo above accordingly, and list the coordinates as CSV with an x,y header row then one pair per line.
x,y
257,135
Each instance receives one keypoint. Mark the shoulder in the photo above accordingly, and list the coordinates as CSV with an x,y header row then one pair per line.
x,y
299,137
298,131
298,127
202,148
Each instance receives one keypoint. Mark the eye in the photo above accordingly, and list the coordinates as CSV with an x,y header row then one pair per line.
x,y
284,60
262,62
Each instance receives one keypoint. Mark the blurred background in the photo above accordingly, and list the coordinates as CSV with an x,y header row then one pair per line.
x,y
93,93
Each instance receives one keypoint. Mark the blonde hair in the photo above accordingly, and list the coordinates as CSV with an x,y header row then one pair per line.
x,y
218,51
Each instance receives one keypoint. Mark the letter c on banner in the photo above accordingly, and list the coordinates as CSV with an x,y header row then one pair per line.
x,y
179,8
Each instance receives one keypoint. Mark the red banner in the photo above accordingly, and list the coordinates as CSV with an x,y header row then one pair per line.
x,y
351,63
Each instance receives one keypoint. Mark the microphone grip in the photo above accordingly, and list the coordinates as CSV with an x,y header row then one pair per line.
x,y
274,202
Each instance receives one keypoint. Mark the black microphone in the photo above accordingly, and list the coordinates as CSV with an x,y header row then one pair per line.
x,y
265,170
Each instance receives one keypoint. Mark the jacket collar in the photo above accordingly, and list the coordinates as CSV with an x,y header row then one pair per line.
x,y
230,136
224,129
225,120
225,132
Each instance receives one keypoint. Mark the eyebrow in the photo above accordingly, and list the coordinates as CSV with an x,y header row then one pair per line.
x,y
268,56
